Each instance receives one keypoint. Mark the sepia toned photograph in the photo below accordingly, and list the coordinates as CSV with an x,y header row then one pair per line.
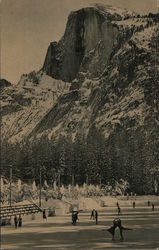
x,y
79,131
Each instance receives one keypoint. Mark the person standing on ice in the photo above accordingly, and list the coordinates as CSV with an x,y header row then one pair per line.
x,y
15,221
119,210
96,216
74,218
20,221
93,214
44,215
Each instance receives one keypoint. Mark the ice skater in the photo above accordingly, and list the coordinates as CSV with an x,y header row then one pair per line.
x,y
20,221
44,215
74,218
92,214
15,221
117,224
96,216
119,210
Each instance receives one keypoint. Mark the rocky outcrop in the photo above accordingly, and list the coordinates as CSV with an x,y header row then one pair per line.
x,y
85,47
4,83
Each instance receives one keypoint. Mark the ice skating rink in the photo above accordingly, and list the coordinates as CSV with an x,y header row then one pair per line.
x,y
58,233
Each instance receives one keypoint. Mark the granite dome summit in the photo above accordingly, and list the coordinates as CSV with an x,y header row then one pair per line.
x,y
87,31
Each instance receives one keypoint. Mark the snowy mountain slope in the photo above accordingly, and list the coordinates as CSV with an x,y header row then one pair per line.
x,y
25,104
104,67
117,97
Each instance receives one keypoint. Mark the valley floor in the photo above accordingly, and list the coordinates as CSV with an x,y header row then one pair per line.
x,y
59,234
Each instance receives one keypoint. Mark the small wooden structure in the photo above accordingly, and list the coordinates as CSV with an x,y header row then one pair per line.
x,y
9,211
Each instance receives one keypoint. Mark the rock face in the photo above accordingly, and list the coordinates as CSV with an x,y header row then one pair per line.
x,y
87,42
4,83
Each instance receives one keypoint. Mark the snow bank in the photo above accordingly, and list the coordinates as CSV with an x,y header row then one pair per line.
x,y
88,204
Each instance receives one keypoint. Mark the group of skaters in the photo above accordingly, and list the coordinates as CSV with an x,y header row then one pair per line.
x,y
134,206
117,223
17,221
148,203
94,215
152,205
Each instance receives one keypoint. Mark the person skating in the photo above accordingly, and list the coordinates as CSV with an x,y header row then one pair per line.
x,y
153,207
44,215
96,216
20,221
117,224
119,210
15,221
93,214
74,218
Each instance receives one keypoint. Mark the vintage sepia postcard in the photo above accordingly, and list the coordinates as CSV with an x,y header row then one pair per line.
x,y
79,82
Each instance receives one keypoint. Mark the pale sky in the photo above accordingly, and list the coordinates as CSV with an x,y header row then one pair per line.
x,y
28,26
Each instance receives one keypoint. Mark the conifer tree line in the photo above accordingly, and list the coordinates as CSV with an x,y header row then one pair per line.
x,y
130,156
